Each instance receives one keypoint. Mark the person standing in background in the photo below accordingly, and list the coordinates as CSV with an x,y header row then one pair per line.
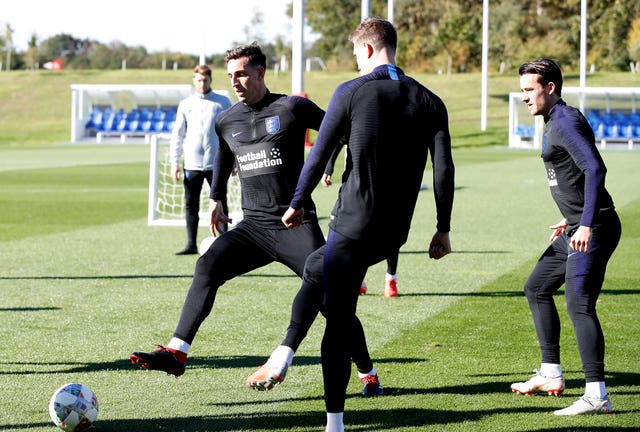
x,y
194,139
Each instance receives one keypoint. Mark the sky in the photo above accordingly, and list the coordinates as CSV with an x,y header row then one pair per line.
x,y
158,25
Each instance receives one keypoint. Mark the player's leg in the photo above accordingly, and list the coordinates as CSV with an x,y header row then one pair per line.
x,y
367,373
304,311
295,247
234,253
391,277
193,181
585,275
344,266
545,279
209,177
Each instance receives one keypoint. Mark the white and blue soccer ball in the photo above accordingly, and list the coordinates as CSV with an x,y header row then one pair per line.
x,y
205,244
73,407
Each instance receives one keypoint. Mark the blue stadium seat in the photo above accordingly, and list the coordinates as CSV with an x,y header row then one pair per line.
x,y
95,119
108,120
133,125
157,126
594,119
171,114
526,130
122,124
146,126
134,114
146,115
168,125
158,114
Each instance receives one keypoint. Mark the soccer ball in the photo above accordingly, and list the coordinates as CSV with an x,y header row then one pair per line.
x,y
73,407
205,244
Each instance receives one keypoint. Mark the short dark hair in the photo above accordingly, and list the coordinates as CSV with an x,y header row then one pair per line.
x,y
548,70
202,69
253,52
376,31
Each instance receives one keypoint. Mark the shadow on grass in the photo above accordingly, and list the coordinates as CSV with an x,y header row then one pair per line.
x,y
616,381
357,421
117,277
519,293
230,362
29,309
478,252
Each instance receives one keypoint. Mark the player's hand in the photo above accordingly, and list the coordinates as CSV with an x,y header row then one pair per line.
x,y
292,218
219,220
326,180
558,229
440,245
175,173
580,240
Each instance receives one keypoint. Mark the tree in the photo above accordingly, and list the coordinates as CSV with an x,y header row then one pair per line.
x,y
31,56
432,36
633,42
456,31
8,45
62,45
335,20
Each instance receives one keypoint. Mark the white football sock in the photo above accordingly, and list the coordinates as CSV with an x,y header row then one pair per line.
x,y
388,277
596,389
179,345
551,370
372,373
281,355
334,422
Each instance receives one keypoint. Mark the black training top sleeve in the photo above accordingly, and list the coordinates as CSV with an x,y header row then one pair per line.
x,y
575,169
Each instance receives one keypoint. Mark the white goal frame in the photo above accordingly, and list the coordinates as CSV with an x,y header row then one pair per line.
x,y
166,198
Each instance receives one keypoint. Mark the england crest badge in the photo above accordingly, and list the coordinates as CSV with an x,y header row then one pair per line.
x,y
272,124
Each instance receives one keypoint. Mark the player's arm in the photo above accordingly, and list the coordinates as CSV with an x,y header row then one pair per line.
x,y
218,219
175,144
443,182
328,170
440,245
223,164
333,128
580,145
558,229
292,218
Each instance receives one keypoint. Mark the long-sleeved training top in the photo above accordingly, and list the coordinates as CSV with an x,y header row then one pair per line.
x,y
391,123
193,133
266,141
575,169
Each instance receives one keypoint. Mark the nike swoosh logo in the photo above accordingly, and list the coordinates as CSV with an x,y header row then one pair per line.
x,y
235,134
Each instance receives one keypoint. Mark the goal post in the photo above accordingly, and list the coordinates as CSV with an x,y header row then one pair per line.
x,y
166,205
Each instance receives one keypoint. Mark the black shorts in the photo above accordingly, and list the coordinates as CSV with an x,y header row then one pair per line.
x,y
249,246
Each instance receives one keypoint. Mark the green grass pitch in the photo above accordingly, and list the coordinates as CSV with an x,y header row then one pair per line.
x,y
84,281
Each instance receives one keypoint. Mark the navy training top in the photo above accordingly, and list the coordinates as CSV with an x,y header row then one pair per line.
x,y
575,169
391,123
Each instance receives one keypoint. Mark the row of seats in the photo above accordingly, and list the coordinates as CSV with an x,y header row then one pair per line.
x,y
605,125
144,120
614,125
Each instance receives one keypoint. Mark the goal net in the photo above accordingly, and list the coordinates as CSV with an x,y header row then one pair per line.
x,y
166,197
